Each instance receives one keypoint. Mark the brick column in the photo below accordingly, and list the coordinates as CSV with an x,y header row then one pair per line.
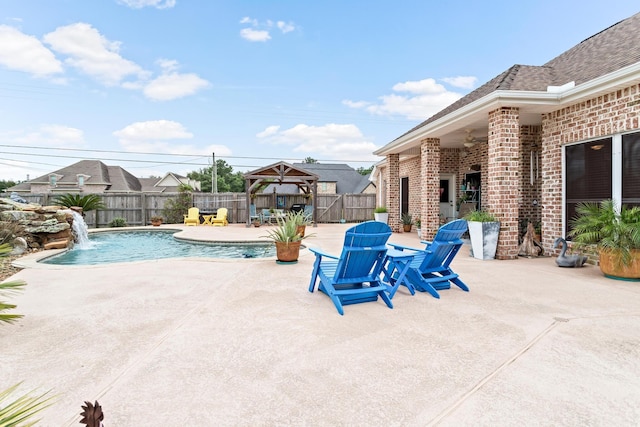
x,y
393,192
552,200
430,191
504,176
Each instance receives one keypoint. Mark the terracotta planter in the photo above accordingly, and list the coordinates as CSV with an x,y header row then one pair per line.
x,y
406,228
612,267
287,252
156,223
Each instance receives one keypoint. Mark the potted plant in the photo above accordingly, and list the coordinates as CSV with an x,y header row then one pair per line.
x,y
287,239
156,220
380,214
418,224
484,230
300,219
615,234
407,222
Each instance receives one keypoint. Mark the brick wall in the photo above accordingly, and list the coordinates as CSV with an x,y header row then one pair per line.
x,y
410,168
599,117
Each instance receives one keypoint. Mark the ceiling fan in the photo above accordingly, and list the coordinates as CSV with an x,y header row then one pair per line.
x,y
470,140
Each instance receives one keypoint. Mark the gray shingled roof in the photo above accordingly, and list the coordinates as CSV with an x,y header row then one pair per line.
x,y
609,50
115,178
347,179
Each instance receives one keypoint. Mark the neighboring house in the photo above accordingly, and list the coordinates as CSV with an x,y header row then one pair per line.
x,y
531,143
94,177
332,179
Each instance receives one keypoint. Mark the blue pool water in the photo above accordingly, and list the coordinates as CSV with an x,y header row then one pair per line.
x,y
123,246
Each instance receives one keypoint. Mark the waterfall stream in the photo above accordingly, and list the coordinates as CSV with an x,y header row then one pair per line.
x,y
81,231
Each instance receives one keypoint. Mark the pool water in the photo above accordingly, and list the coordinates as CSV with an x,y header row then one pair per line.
x,y
124,246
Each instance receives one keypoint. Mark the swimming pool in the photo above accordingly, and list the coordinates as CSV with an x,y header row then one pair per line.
x,y
124,246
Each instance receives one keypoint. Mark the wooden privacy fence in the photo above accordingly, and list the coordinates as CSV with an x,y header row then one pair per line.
x,y
137,209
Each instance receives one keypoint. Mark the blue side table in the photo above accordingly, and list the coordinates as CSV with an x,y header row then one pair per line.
x,y
396,264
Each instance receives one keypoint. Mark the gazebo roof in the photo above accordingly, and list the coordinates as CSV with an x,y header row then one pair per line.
x,y
282,172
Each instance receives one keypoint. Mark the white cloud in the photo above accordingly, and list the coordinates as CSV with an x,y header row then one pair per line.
x,y
255,35
331,141
424,99
153,130
285,27
161,136
269,131
251,21
173,86
22,52
139,4
464,82
52,135
92,53
260,31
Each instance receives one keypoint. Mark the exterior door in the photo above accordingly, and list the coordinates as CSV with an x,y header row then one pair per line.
x,y
447,197
404,196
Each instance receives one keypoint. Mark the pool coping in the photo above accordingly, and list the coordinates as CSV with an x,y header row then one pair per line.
x,y
33,260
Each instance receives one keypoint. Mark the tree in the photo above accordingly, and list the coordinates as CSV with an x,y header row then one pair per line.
x,y
6,184
309,160
365,171
228,181
176,207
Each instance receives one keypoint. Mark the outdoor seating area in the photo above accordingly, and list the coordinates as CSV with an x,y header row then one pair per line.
x,y
197,217
255,339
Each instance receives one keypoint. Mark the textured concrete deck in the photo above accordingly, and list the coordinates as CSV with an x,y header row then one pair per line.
x,y
201,342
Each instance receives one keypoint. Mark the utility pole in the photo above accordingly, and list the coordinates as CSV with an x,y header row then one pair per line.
x,y
214,175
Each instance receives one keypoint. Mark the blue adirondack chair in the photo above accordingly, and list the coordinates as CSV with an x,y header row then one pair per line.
x,y
430,269
354,276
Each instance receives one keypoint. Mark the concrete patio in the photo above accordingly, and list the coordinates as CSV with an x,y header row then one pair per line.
x,y
202,342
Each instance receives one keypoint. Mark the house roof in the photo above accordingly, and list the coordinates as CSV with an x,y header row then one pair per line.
x,y
114,179
602,54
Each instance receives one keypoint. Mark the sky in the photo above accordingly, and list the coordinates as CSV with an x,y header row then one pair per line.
x,y
158,86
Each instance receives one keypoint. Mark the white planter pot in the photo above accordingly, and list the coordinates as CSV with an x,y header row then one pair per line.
x,y
484,239
381,217
419,233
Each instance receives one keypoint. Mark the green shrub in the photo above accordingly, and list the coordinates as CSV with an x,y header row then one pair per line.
x,y
176,207
480,216
118,222
380,209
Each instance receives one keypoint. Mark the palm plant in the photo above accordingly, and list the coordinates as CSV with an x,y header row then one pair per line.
x,y
87,202
8,288
21,410
611,230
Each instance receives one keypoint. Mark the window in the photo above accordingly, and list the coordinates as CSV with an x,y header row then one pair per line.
x,y
588,174
53,180
631,169
607,168
80,180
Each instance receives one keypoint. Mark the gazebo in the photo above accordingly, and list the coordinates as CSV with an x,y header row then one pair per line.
x,y
281,173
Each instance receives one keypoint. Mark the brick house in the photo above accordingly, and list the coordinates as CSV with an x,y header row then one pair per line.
x,y
527,145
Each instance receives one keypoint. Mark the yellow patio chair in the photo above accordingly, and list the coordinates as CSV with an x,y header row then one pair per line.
x,y
220,218
193,217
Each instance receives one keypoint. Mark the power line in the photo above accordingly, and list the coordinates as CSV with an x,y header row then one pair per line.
x,y
195,156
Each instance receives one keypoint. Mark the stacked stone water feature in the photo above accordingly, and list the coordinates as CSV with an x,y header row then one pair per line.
x,y
43,227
